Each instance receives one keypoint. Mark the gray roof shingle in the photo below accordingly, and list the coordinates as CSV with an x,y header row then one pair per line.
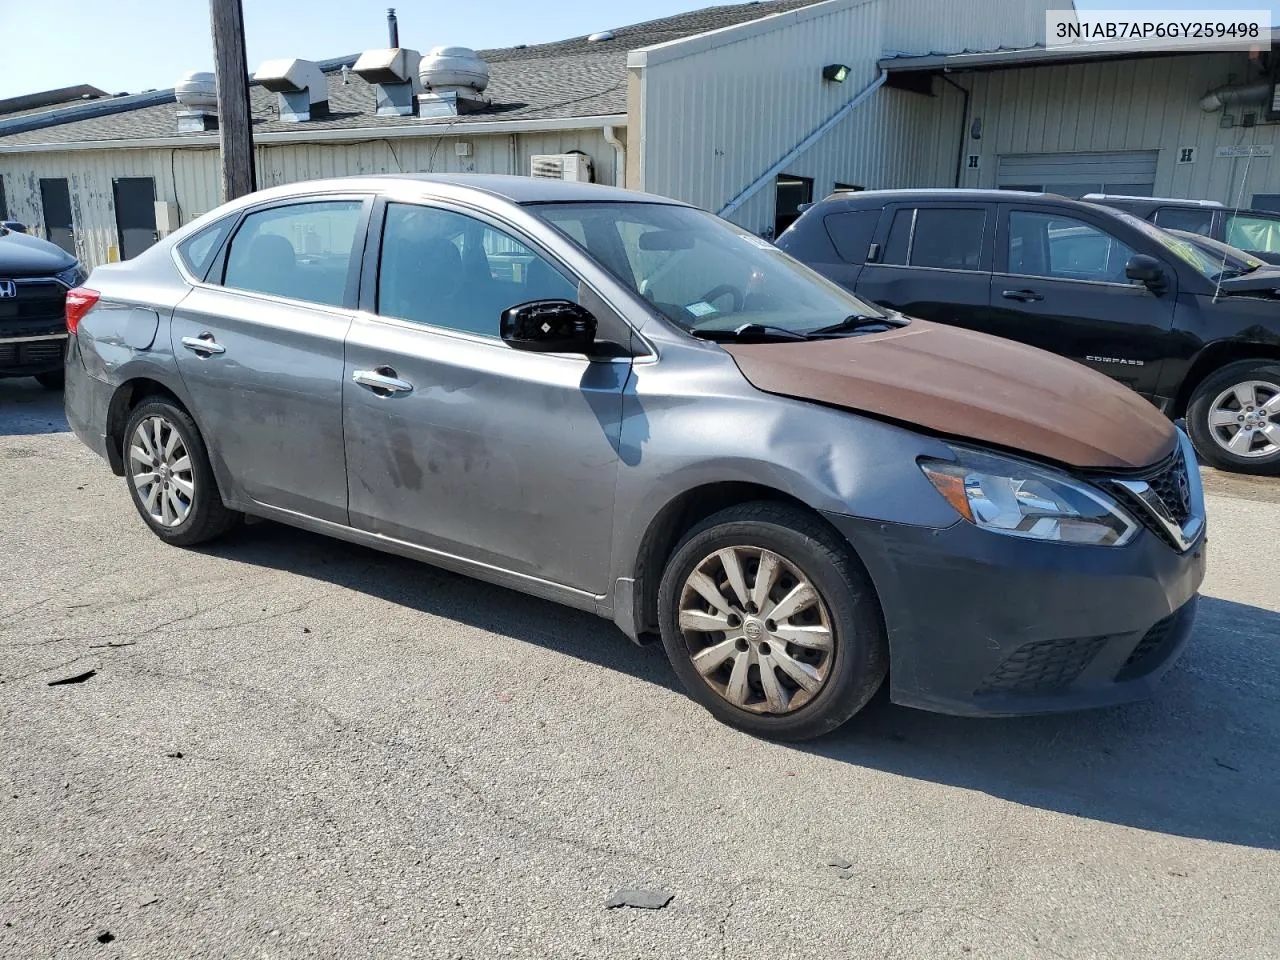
x,y
568,78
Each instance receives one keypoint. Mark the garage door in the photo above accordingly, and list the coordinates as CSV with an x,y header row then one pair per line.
x,y
1131,172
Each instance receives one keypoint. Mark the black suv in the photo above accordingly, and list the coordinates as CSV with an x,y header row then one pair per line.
x,y
1253,231
35,276
1100,286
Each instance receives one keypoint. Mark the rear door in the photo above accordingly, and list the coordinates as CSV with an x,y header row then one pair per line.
x,y
260,348
135,200
1059,284
55,202
932,261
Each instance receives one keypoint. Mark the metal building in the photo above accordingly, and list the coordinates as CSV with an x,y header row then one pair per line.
x,y
748,110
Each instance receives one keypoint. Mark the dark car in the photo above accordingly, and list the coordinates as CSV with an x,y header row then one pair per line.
x,y
1097,285
35,276
1253,231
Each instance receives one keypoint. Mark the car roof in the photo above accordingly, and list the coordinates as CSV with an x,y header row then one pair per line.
x,y
878,198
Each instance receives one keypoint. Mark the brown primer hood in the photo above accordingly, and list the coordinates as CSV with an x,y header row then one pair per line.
x,y
970,385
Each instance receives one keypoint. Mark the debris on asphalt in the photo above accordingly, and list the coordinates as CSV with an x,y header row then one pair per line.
x,y
306,629
78,678
845,874
174,754
150,903
104,646
106,936
1226,766
840,863
641,899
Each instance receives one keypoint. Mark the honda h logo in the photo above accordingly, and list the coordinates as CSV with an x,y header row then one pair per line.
x,y
8,289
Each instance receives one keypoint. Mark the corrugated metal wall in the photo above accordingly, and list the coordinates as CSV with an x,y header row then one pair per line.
x,y
716,119
190,177
1151,104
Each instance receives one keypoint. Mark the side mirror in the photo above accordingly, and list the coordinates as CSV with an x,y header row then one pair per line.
x,y
1146,270
549,326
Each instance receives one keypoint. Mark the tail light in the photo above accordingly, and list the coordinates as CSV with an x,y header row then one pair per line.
x,y
79,302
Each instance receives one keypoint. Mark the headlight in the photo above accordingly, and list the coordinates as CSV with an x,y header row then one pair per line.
x,y
73,276
1024,500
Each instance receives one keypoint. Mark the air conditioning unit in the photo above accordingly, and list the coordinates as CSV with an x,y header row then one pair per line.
x,y
575,167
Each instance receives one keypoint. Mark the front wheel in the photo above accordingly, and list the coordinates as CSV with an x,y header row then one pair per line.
x,y
770,623
1234,418
169,477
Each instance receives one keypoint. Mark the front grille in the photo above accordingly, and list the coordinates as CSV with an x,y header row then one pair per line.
x,y
35,301
1170,484
41,353
1150,649
1042,666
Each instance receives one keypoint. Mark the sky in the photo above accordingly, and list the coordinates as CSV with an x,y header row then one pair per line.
x,y
131,45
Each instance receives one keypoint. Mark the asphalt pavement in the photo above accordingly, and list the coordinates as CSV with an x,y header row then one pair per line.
x,y
283,746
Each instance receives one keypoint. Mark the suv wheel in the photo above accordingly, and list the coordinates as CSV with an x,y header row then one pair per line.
x,y
770,623
1234,417
169,477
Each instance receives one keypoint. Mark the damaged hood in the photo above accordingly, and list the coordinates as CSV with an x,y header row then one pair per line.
x,y
972,386
1263,282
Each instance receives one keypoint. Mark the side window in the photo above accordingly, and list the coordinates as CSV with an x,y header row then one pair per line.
x,y
301,251
1048,245
899,241
852,232
1250,232
1181,218
199,250
949,239
449,270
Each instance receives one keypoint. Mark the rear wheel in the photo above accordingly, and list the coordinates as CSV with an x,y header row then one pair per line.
x,y
169,477
770,623
1234,417
52,380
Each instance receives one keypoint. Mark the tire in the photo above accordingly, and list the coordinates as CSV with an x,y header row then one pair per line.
x,y
52,380
805,549
195,512
1223,394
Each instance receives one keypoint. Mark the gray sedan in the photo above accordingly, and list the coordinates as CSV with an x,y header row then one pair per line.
x,y
624,404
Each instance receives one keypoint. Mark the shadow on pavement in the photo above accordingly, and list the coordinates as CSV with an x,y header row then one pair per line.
x,y
1198,760
26,408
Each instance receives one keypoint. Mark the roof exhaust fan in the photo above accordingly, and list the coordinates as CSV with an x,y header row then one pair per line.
x,y
454,80
394,75
197,96
300,87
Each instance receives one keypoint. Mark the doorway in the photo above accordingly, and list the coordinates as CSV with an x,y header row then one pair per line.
x,y
135,199
789,194
55,199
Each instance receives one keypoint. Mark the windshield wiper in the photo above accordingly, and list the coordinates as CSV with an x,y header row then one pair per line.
x,y
750,331
858,323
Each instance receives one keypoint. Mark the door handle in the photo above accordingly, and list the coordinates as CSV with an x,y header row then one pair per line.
x,y
203,344
382,381
1026,296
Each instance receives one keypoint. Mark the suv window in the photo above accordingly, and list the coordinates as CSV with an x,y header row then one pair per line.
x,y
1252,232
199,250
302,251
1183,218
948,239
453,271
1050,245
851,233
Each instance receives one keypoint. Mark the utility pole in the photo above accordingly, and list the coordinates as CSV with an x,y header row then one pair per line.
x,y
235,130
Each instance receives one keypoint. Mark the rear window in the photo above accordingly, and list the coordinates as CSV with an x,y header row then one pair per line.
x,y
1181,218
852,232
943,238
199,250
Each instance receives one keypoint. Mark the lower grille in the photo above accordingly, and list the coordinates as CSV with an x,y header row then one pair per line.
x,y
1150,649
1042,666
41,353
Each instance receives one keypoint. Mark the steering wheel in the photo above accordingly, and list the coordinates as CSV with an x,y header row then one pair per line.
x,y
726,290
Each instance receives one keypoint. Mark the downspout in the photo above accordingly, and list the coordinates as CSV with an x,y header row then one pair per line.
x,y
802,146
619,156
964,121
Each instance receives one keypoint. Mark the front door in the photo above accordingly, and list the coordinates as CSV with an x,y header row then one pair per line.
x,y
55,200
135,199
932,262
454,440
260,349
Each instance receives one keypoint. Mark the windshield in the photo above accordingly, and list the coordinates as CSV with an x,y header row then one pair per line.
x,y
1226,258
702,273
1189,251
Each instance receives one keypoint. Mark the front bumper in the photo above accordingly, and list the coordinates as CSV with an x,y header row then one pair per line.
x,y
31,352
984,624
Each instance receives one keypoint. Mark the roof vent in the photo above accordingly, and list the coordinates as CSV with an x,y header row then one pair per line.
x,y
454,79
394,75
600,37
197,96
300,86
